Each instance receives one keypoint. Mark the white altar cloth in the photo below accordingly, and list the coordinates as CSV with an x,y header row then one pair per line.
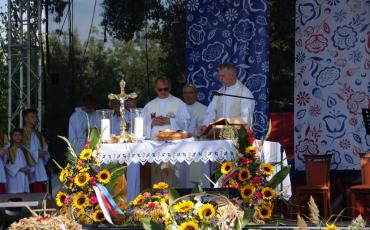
x,y
150,151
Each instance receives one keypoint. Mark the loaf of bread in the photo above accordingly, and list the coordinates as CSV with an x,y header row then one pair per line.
x,y
168,135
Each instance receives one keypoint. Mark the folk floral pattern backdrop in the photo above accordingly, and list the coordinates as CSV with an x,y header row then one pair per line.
x,y
332,80
235,31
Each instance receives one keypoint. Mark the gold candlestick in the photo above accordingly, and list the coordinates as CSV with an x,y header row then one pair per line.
x,y
122,97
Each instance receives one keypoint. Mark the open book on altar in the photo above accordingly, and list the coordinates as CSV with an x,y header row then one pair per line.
x,y
215,129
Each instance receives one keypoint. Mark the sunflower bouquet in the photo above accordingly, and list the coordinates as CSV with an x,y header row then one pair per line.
x,y
150,205
77,198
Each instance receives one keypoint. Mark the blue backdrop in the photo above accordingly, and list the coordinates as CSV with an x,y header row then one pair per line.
x,y
219,31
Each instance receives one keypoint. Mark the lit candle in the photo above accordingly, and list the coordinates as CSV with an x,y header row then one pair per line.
x,y
105,129
139,127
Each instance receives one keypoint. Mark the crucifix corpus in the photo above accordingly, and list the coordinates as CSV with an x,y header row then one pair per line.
x,y
122,97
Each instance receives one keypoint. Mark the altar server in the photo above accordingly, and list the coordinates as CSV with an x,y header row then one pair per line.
x,y
36,144
133,169
196,170
165,112
83,118
19,164
226,106
3,151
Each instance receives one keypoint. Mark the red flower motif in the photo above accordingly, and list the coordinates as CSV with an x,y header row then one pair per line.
x,y
93,180
245,161
258,194
316,43
356,102
256,180
94,200
250,136
151,205
303,98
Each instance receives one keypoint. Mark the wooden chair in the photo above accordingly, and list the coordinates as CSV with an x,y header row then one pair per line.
x,y
363,189
317,182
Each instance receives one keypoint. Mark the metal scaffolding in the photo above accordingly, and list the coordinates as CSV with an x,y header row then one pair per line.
x,y
24,59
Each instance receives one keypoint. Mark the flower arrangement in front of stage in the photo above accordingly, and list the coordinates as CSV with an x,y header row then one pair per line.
x,y
150,205
251,177
77,198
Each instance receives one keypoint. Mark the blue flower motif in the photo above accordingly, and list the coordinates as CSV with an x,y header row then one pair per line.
x,y
308,10
333,2
300,57
231,15
194,56
340,15
256,82
327,76
196,34
193,5
260,123
213,51
244,30
225,33
355,56
344,37
334,124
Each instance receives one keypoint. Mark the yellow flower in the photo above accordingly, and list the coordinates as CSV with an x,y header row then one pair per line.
x,y
206,212
98,216
247,192
244,174
189,225
226,167
160,185
264,212
251,150
81,179
61,196
184,206
86,154
63,175
80,200
157,215
138,200
331,227
267,169
103,176
268,193
80,212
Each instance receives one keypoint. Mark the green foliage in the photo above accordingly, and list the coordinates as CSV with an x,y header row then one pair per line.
x,y
148,224
172,195
279,177
198,188
247,218
94,136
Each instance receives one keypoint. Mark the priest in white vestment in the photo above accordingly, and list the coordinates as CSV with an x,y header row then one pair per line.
x,y
196,170
226,106
83,118
162,113
133,169
19,165
35,143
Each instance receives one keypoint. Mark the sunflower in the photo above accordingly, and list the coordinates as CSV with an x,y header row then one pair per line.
x,y
206,211
98,216
247,192
160,186
189,225
86,154
184,206
63,175
331,227
138,200
80,200
268,193
267,169
244,174
226,167
251,150
81,179
103,176
61,196
264,212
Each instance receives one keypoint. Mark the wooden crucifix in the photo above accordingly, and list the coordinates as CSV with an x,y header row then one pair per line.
x,y
122,97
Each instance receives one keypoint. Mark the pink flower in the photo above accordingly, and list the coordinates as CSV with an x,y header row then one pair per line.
x,y
316,43
151,205
147,195
234,185
93,180
93,200
66,200
245,161
256,180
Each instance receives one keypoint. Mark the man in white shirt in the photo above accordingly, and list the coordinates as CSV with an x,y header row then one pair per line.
x,y
226,106
165,112
83,118
196,170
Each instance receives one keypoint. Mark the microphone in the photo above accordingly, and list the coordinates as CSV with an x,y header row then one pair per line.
x,y
216,93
